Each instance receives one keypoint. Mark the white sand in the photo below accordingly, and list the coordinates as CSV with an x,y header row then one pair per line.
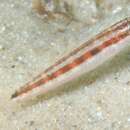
x,y
99,100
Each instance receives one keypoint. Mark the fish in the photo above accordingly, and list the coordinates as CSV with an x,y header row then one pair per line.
x,y
79,61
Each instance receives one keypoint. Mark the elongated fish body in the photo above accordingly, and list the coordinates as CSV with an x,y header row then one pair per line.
x,y
81,60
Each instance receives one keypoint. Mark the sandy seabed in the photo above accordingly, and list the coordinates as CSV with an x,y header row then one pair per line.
x,y
29,43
